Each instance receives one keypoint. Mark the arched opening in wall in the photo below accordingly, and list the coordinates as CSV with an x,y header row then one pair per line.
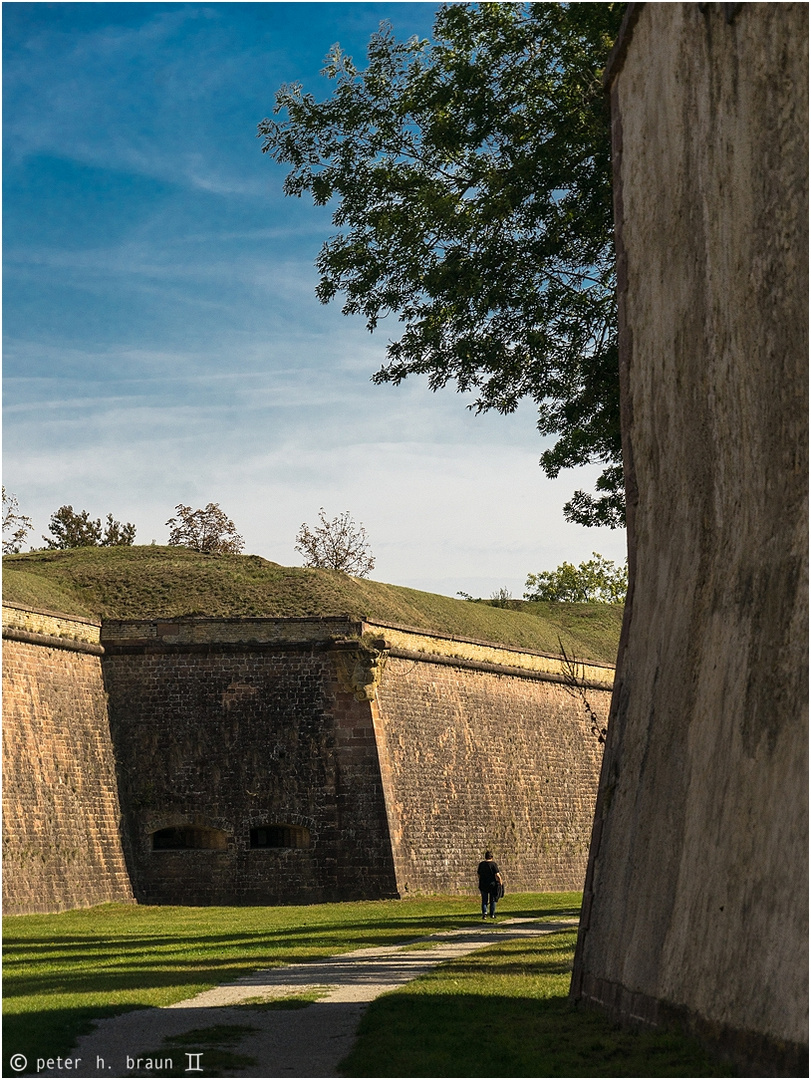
x,y
186,837
280,836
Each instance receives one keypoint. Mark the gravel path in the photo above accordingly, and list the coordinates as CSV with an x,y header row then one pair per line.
x,y
307,1041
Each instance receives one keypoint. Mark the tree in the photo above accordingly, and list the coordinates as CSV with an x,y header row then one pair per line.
x,y
339,544
473,188
73,530
596,580
16,526
208,530
118,535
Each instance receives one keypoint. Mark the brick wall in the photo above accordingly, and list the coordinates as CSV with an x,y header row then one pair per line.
x,y
61,819
390,758
475,759
231,735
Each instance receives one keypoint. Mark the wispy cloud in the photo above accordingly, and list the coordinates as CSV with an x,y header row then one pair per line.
x,y
163,342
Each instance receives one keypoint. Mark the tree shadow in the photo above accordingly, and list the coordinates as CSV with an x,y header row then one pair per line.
x,y
154,960
103,965
482,1035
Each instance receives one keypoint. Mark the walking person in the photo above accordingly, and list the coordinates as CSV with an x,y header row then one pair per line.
x,y
489,884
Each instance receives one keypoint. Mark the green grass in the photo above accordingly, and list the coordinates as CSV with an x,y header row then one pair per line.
x,y
270,1003
63,971
167,582
503,1011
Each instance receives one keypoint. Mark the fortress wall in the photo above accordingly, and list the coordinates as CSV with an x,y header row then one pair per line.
x,y
486,747
475,759
264,761
61,817
238,724
697,894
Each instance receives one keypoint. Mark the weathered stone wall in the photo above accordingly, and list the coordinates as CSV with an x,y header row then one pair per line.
x,y
696,898
238,724
476,759
61,818
484,747
383,760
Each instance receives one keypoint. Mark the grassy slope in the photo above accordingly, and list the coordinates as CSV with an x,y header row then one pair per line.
x,y
165,582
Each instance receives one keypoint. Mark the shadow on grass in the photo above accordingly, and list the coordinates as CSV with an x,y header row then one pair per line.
x,y
128,961
500,1011
63,971
438,1035
415,1035
18,939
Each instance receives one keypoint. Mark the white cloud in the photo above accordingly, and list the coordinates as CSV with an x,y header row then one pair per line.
x,y
446,509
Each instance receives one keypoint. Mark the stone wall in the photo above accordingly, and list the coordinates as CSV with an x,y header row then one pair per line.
x,y
697,894
234,726
61,818
483,747
264,761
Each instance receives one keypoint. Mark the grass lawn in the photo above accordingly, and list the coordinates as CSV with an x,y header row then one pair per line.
x,y
501,1012
62,971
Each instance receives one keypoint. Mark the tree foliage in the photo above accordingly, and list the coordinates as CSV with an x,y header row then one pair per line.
x,y
339,544
472,180
208,530
596,581
70,529
16,526
117,534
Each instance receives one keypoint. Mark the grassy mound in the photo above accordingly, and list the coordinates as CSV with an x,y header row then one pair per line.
x,y
167,582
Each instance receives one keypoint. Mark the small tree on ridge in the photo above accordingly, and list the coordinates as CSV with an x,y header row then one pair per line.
x,y
339,544
72,530
208,530
16,526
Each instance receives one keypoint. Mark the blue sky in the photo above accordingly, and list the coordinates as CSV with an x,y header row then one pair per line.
x,y
162,340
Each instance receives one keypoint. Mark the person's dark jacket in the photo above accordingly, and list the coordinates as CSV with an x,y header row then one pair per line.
x,y
487,870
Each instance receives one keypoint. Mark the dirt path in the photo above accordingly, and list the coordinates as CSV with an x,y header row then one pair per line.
x,y
307,1041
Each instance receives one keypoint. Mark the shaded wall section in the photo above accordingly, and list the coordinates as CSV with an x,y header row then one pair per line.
x,y
697,891
61,818
248,774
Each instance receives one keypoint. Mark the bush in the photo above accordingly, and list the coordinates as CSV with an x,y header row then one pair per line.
x,y
596,580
